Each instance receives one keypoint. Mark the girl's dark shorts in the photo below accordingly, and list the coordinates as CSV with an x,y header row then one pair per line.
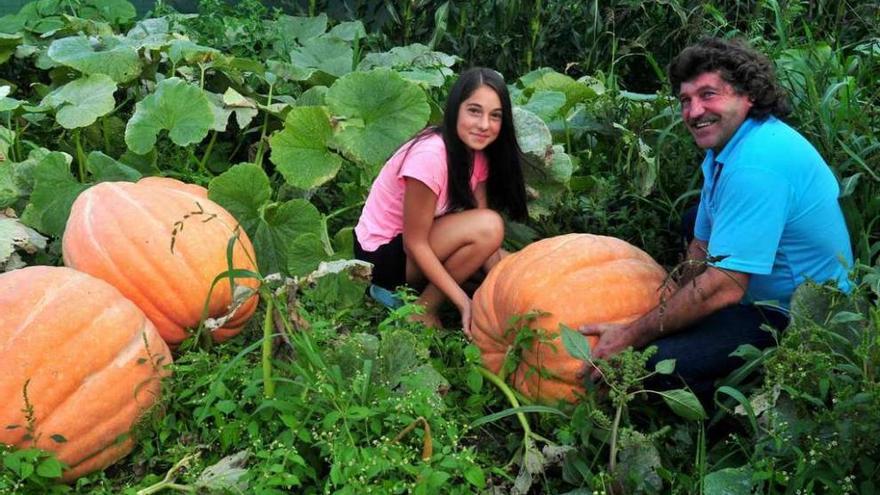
x,y
389,262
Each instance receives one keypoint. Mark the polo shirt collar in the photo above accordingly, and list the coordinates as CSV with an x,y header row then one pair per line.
x,y
740,134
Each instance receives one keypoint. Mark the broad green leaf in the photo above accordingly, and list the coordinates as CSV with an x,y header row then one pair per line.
x,y
684,403
189,51
549,80
348,31
301,29
6,103
152,34
178,107
114,11
9,190
291,72
103,55
325,53
7,138
340,289
411,56
546,104
300,149
531,132
313,97
55,189
304,254
244,190
79,103
728,481
105,169
343,243
8,44
378,111
576,344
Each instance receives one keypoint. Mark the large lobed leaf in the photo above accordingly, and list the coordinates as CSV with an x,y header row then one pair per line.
x,y
80,102
377,111
274,228
178,107
101,55
300,149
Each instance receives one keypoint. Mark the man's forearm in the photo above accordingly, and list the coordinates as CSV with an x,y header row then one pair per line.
x,y
712,290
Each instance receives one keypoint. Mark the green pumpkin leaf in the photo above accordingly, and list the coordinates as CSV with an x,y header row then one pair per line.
x,y
79,103
55,189
152,34
114,11
190,52
546,104
348,31
378,111
245,192
105,169
300,29
178,107
6,103
8,44
415,62
300,149
103,55
547,168
306,252
242,190
328,54
684,403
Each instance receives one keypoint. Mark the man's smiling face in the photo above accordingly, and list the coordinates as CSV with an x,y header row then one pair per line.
x,y
712,110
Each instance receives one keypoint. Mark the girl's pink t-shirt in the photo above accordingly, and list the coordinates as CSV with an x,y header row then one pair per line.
x,y
382,217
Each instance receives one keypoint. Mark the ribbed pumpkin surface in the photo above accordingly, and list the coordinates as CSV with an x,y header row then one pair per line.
x,y
83,348
121,232
577,279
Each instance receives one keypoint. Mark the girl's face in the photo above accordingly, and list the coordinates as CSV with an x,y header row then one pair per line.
x,y
479,118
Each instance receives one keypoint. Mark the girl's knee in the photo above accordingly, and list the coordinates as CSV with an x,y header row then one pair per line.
x,y
489,228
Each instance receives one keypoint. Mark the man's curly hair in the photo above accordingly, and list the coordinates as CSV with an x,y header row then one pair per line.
x,y
748,71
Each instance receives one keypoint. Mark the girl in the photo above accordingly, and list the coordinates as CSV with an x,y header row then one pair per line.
x,y
431,215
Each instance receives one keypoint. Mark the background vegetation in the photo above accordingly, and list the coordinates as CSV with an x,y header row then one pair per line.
x,y
283,113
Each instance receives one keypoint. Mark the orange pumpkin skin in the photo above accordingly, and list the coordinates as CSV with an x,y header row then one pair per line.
x,y
92,360
121,232
576,279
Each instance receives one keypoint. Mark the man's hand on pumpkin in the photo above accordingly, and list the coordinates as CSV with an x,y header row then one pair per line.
x,y
613,338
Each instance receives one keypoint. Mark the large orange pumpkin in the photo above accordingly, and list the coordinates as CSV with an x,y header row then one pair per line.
x,y
91,360
121,232
576,279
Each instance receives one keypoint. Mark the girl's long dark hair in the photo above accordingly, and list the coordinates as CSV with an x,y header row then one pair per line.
x,y
505,186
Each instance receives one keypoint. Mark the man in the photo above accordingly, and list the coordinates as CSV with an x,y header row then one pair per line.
x,y
768,220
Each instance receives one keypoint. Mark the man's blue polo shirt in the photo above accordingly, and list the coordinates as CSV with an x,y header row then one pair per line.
x,y
769,208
